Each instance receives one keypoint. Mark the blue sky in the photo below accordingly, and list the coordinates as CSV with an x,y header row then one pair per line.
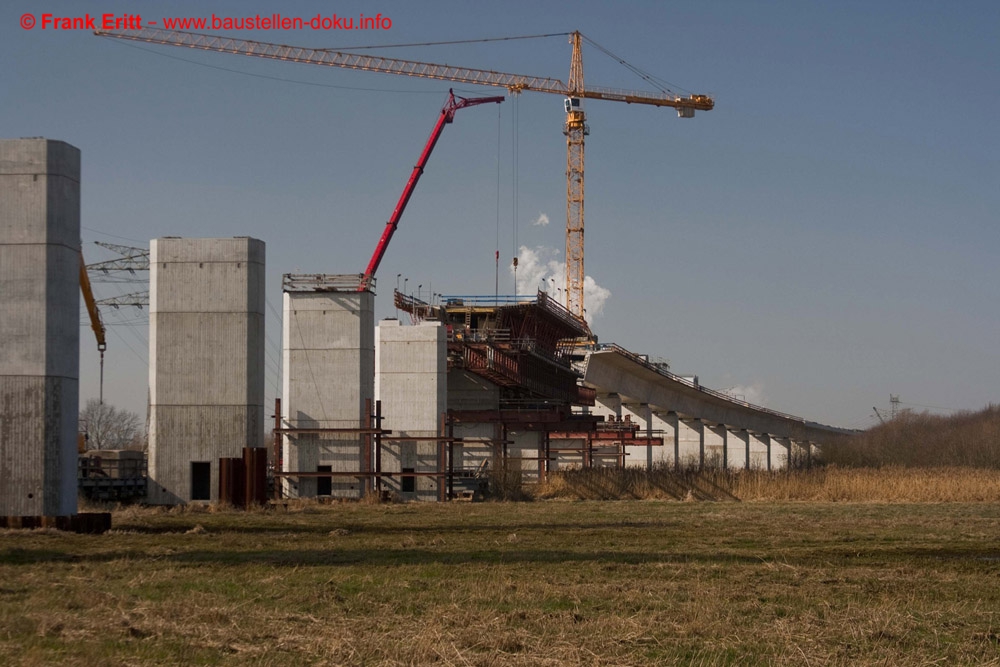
x,y
823,238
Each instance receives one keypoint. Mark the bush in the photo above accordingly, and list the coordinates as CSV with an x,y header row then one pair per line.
x,y
917,440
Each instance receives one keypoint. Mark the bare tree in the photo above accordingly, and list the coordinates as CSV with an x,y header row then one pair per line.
x,y
109,427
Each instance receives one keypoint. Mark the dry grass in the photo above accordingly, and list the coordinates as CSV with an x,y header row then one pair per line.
x,y
545,583
826,484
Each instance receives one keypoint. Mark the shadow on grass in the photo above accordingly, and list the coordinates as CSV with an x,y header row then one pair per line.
x,y
322,527
985,558
371,557
638,484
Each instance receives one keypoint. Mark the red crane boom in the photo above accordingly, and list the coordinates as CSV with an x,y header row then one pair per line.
x,y
453,104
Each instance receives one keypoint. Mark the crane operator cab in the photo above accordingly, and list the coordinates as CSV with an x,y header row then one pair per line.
x,y
573,104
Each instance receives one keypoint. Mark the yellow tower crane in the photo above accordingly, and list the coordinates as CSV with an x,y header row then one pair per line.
x,y
575,128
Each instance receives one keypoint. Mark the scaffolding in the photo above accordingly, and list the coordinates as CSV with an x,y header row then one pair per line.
x,y
564,439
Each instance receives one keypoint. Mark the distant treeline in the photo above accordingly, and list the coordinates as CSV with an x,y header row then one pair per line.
x,y
918,440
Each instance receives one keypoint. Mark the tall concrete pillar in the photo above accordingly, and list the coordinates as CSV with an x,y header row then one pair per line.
x,y
641,456
206,361
781,449
329,373
716,446
691,442
411,380
39,326
737,448
665,424
759,451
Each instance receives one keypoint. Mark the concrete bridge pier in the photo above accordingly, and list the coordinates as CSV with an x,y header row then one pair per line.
x,y
642,456
716,445
759,457
738,449
781,452
691,439
666,424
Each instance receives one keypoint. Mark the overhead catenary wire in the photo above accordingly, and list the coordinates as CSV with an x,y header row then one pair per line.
x,y
114,236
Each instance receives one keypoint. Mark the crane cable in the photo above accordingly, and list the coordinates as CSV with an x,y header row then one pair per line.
x,y
496,252
660,84
514,193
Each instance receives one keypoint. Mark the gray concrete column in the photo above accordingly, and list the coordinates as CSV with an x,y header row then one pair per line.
x,y
738,441
760,451
640,456
716,445
329,373
39,326
666,425
691,442
411,380
206,361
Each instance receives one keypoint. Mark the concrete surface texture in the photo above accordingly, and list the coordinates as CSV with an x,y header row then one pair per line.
x,y
411,379
206,368
39,326
328,364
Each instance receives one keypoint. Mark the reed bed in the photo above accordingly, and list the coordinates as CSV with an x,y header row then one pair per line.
x,y
824,484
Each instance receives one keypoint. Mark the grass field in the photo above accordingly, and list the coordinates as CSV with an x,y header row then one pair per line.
x,y
543,583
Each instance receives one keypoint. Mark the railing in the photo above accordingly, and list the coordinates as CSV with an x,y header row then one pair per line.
x,y
562,313
613,347
459,300
325,282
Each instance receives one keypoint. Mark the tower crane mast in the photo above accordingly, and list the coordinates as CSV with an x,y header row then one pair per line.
x,y
575,91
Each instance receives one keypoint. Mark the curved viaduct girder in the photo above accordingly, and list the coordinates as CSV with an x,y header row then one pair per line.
x,y
612,372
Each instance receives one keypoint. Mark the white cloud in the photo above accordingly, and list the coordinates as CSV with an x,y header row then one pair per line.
x,y
541,268
753,393
542,220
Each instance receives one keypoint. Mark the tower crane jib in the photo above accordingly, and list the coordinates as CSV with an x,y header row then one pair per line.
x,y
574,91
